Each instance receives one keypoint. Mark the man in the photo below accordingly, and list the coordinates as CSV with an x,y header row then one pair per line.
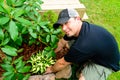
x,y
93,48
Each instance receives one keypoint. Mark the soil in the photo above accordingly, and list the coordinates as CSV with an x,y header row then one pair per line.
x,y
30,50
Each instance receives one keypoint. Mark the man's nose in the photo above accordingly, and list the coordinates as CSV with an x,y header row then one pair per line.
x,y
64,27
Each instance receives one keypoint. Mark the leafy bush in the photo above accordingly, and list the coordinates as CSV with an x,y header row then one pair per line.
x,y
15,69
50,16
21,22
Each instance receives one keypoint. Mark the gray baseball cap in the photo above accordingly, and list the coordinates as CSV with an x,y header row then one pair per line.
x,y
64,16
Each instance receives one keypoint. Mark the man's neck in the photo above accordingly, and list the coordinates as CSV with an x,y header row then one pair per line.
x,y
79,28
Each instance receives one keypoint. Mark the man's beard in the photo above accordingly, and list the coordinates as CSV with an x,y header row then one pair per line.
x,y
69,36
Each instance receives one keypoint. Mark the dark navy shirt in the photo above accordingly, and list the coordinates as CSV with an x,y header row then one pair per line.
x,y
96,44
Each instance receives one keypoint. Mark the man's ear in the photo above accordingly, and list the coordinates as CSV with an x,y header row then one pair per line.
x,y
78,18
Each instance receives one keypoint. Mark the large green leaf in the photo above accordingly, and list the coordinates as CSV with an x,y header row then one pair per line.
x,y
42,24
1,3
50,54
18,12
47,48
38,19
54,41
55,32
32,33
7,60
19,40
45,29
10,77
3,20
5,41
1,9
6,7
13,30
1,34
24,30
18,59
9,2
19,76
9,50
24,69
15,3
23,21
18,3
20,64
7,67
53,38
8,73
48,38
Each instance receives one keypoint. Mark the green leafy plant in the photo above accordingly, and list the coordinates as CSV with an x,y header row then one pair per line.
x,y
41,61
51,16
15,70
21,22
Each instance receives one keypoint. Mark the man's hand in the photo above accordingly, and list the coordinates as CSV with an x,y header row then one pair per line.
x,y
59,65
49,70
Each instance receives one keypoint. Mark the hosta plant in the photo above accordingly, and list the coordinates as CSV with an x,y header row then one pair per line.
x,y
41,61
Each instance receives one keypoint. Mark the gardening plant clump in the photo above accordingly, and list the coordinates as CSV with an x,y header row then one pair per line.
x,y
40,62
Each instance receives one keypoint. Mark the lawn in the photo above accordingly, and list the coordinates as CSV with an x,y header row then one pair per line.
x,y
105,13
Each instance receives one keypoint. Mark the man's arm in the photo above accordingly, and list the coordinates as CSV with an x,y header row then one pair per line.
x,y
59,65
62,43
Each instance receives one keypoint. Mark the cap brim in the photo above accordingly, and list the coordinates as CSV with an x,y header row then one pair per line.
x,y
60,22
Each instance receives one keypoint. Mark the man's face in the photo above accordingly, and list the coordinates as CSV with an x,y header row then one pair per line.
x,y
70,27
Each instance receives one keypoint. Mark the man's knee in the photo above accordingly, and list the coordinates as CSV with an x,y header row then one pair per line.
x,y
95,72
81,77
65,73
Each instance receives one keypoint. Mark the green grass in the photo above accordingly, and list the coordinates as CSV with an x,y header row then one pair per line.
x,y
105,13
114,76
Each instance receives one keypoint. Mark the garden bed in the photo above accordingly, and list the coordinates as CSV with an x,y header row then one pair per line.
x,y
30,50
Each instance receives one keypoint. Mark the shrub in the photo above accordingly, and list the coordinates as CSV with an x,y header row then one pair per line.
x,y
15,69
21,22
